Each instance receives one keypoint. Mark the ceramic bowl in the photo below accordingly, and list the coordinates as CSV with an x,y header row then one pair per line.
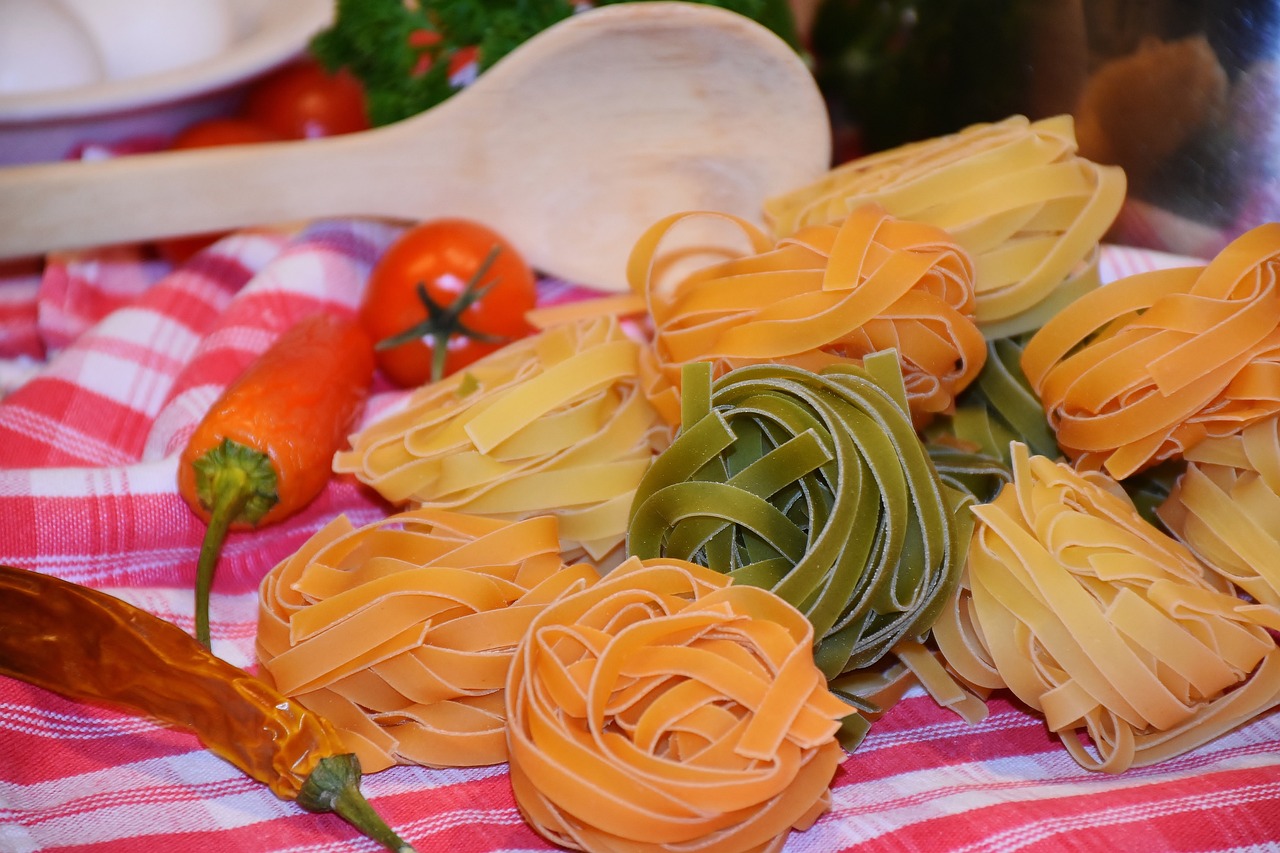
x,y
144,112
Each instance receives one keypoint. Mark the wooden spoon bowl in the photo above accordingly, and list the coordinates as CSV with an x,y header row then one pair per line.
x,y
570,146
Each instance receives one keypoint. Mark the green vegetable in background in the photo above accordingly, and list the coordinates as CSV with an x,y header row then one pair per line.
x,y
404,54
904,70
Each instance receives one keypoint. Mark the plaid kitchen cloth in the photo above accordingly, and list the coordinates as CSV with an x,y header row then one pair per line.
x,y
108,360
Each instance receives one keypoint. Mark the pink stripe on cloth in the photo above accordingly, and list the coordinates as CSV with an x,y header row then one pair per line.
x,y
94,401
324,270
79,289
19,309
88,492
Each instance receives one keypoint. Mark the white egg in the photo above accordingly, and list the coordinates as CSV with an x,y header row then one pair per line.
x,y
44,47
138,37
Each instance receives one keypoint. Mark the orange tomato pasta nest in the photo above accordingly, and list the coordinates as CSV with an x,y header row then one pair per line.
x,y
1144,369
1100,621
1014,194
665,709
556,423
827,294
401,632
1226,508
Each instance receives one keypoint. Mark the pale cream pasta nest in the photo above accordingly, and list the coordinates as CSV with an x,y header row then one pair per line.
x,y
1107,626
1226,508
556,423
1014,194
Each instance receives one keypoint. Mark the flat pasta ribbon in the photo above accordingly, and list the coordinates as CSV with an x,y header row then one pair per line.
x,y
664,709
816,487
1142,370
556,423
827,294
1014,194
1226,508
1103,623
401,632
970,447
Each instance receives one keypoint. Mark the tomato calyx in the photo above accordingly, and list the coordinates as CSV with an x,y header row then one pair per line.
x,y
444,322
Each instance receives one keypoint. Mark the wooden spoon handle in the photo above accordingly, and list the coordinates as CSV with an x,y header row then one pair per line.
x,y
54,206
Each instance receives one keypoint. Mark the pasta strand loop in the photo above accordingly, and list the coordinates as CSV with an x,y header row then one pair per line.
x,y
667,709
1014,194
1094,617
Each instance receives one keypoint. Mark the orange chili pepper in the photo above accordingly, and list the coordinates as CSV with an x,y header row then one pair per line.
x,y
265,448
90,646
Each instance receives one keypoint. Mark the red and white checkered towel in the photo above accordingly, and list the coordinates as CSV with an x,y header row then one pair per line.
x,y
108,360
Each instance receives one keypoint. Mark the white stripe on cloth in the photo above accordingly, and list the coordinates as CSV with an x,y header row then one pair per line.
x,y
54,433
862,812
1028,834
188,792
40,722
148,478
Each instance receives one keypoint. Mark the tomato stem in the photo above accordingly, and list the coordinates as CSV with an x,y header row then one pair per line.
x,y
235,483
444,322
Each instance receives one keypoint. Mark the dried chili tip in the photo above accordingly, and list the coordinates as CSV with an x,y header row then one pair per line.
x,y
74,641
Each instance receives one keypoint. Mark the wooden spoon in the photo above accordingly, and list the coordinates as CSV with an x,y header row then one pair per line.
x,y
570,146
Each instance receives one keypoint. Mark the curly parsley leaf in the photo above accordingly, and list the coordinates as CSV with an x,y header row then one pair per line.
x,y
404,53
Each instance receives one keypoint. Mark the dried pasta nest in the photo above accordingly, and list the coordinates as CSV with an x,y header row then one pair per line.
x,y
665,709
1226,508
1144,369
816,487
827,294
1107,626
1014,194
401,632
556,423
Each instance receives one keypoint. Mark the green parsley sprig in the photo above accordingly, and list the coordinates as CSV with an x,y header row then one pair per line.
x,y
403,53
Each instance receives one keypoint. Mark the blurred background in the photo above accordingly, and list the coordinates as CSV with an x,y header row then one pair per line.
x,y
1182,94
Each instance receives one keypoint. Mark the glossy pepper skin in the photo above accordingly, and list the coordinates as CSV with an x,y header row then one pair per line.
x,y
265,449
90,646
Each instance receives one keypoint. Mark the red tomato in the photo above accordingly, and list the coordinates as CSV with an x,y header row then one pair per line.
x,y
210,133
441,334
224,131
303,101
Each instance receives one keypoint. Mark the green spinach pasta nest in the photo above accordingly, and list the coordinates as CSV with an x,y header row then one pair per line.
x,y
817,487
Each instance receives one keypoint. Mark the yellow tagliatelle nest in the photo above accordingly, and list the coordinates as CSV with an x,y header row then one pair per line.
x,y
401,632
1147,367
1100,621
664,709
1014,194
556,423
828,294
1226,508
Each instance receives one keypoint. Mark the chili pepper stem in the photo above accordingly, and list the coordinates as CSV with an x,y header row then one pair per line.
x,y
214,535
236,483
334,786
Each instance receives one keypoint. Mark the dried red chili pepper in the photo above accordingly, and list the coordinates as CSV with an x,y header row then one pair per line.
x,y
90,646
265,448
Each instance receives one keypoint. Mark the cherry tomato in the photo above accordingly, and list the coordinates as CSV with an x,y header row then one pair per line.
x,y
445,293
210,133
304,101
224,131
